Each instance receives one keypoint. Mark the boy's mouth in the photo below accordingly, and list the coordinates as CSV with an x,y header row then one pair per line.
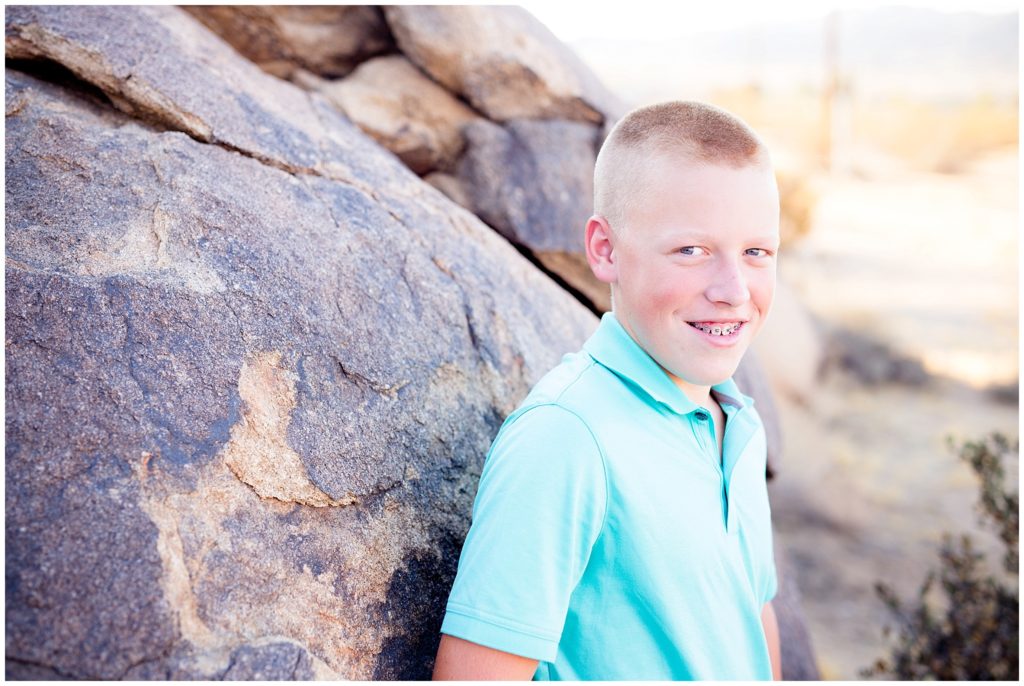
x,y
718,328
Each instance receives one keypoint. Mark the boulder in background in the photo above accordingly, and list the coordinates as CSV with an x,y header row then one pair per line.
x,y
329,40
403,110
533,181
502,61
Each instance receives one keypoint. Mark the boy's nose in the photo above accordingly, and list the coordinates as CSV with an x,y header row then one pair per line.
x,y
729,286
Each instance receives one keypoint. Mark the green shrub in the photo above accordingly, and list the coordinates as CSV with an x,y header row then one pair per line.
x,y
975,637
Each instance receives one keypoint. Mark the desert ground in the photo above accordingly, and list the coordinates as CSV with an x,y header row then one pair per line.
x,y
926,263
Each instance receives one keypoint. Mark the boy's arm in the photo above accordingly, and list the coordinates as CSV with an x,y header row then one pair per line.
x,y
459,660
771,632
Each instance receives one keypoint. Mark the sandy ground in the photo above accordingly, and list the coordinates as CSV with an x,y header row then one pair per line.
x,y
928,264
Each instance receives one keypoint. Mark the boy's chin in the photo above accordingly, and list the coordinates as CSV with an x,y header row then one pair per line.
x,y
713,377
705,377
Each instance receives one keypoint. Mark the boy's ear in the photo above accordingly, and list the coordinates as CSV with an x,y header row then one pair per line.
x,y
600,250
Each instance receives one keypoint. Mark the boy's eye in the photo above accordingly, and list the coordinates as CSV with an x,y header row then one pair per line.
x,y
691,250
757,252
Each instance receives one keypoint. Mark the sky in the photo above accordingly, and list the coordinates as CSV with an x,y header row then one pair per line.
x,y
643,19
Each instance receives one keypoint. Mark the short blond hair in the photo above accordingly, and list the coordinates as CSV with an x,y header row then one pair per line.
x,y
687,130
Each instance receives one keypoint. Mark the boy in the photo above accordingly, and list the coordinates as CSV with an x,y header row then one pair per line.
x,y
621,528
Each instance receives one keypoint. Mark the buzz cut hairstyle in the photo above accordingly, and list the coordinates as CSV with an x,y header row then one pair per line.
x,y
682,130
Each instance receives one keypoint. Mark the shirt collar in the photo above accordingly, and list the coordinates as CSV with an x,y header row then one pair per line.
x,y
613,347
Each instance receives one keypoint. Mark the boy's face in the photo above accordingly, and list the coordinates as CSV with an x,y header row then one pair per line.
x,y
694,267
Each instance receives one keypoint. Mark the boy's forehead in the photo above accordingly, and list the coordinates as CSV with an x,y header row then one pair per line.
x,y
665,177
684,195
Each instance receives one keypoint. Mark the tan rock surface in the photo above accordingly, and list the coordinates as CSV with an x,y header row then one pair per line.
x,y
450,186
329,40
502,61
403,110
791,346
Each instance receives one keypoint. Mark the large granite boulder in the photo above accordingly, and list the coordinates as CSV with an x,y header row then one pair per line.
x,y
403,110
329,40
253,367
502,61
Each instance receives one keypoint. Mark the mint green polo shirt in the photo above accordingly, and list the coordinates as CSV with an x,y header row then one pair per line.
x,y
609,540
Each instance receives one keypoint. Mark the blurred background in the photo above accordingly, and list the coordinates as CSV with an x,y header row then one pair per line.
x,y
895,135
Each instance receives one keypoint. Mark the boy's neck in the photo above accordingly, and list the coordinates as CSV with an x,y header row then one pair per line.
x,y
698,394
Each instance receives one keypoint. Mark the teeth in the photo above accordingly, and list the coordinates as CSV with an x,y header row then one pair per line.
x,y
718,329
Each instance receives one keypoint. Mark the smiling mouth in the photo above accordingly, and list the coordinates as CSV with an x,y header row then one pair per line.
x,y
718,328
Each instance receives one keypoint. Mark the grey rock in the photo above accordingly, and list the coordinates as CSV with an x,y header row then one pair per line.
x,y
16,670
273,662
329,40
1005,393
249,390
798,662
503,61
533,181
871,362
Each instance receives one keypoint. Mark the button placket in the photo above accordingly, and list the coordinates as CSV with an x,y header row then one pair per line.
x,y
711,447
732,417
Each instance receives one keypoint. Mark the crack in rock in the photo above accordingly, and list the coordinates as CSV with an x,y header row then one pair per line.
x,y
132,96
60,672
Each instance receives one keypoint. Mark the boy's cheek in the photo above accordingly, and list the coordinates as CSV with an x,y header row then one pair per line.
x,y
767,296
659,299
648,292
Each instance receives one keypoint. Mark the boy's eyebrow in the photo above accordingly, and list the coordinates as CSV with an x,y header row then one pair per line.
x,y
686,234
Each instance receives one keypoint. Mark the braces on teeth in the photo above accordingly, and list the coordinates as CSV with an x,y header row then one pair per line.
x,y
718,329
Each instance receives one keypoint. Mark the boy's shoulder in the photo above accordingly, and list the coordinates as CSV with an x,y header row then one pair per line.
x,y
579,384
565,384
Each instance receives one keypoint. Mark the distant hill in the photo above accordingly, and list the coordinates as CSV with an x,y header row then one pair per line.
x,y
883,51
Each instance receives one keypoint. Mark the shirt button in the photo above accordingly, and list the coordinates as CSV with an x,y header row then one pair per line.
x,y
701,416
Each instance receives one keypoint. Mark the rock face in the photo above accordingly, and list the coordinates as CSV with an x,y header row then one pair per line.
x,y
250,378
329,40
403,110
798,663
501,60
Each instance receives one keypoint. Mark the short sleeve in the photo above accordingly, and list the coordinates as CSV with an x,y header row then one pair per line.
x,y
772,584
539,509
